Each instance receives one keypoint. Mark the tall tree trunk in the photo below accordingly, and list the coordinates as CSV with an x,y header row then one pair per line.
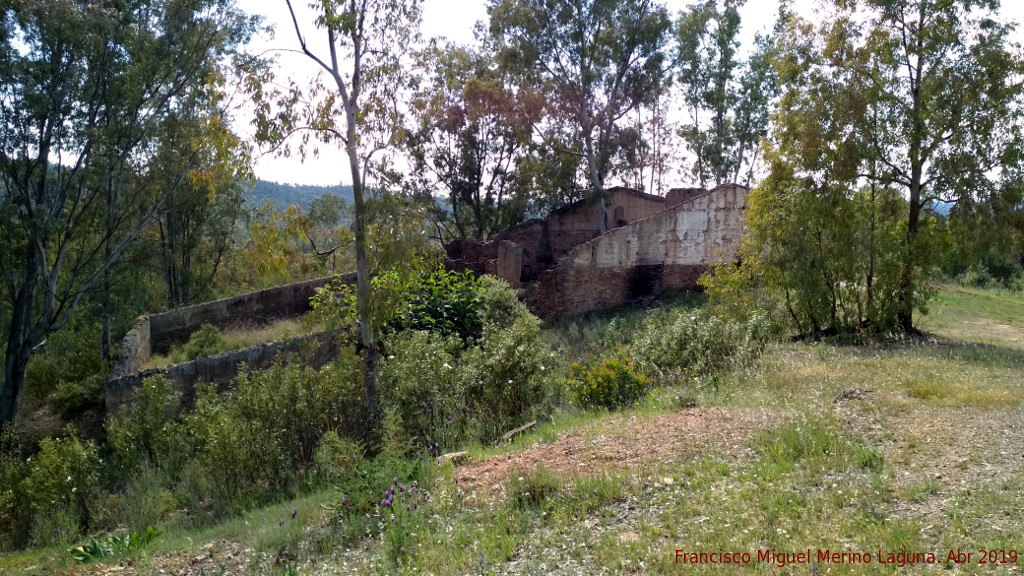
x,y
905,317
105,320
595,178
371,353
18,351
15,368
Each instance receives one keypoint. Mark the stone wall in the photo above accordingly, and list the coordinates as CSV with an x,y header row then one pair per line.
x,y
221,370
544,242
252,309
134,351
670,249
572,225
156,334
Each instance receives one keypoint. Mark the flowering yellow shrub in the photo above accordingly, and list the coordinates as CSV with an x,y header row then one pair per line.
x,y
611,384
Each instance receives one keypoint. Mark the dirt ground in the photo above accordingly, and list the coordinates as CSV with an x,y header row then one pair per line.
x,y
619,444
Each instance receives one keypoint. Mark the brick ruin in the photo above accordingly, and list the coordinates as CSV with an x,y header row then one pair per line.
x,y
563,263
653,243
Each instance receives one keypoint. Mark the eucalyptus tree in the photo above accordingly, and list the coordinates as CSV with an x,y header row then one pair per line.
x,y
726,99
596,61
473,129
927,99
85,90
888,106
366,63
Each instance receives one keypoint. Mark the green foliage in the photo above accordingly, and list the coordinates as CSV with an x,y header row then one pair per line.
x,y
421,382
591,78
261,439
503,374
852,111
207,341
726,99
59,487
613,383
68,373
11,473
445,303
145,431
125,544
305,196
811,443
473,128
823,258
694,342
67,225
76,396
445,390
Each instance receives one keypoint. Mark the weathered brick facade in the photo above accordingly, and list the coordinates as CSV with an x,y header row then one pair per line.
x,y
654,243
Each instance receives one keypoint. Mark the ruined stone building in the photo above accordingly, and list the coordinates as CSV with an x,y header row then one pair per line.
x,y
653,243
563,263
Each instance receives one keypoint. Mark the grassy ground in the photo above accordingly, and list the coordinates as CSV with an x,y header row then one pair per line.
x,y
903,447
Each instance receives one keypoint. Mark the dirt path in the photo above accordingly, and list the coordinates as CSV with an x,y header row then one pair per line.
x,y
620,444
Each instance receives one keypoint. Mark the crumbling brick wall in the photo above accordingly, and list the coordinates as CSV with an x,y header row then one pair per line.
x,y
544,242
670,249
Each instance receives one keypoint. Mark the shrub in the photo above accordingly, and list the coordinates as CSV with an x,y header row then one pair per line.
x,y
12,471
260,439
435,300
698,342
613,383
500,307
443,302
446,390
76,396
146,431
502,374
207,341
419,384
59,486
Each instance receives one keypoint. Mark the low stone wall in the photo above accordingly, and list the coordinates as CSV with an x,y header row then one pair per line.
x,y
252,309
221,370
156,334
670,249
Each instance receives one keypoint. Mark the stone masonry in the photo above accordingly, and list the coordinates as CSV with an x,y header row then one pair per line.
x,y
157,333
653,243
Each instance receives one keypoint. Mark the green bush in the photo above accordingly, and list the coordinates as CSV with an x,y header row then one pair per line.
x,y
613,383
61,482
76,396
445,390
207,341
502,375
698,342
420,385
435,300
146,431
260,440
443,302
500,307
72,356
12,470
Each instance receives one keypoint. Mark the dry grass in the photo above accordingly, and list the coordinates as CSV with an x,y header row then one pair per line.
x,y
240,339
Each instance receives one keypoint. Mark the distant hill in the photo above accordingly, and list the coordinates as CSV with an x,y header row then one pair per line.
x,y
284,195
